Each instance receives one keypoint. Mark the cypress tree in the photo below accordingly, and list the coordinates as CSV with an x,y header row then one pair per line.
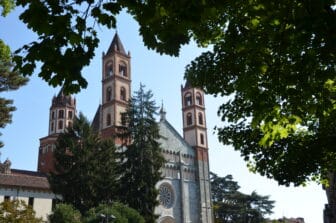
x,y
141,156
85,167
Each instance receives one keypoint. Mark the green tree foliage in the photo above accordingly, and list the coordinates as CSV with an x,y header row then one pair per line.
x,y
276,61
65,213
141,159
7,6
17,211
67,37
85,167
230,205
9,80
121,212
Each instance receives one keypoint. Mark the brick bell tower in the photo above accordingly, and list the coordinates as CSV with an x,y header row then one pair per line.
x,y
116,87
195,133
61,115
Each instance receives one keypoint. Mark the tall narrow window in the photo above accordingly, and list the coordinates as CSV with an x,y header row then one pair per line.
x,y
200,118
52,126
187,99
123,116
123,69
61,114
69,124
109,69
31,201
189,118
108,119
70,114
202,138
52,115
108,94
60,124
199,99
122,94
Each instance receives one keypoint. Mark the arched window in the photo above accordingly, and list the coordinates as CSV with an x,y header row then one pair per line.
x,y
108,119
108,94
109,69
52,126
189,118
187,99
60,124
60,114
123,69
202,138
200,118
53,115
199,99
122,94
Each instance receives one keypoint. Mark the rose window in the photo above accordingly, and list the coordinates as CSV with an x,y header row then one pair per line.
x,y
166,195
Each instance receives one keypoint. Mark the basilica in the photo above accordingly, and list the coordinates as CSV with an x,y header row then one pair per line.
x,y
184,191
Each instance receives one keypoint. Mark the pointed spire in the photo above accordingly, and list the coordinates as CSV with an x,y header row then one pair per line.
x,y
187,84
116,45
162,113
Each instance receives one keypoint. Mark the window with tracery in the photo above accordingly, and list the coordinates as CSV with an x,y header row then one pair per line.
x,y
166,195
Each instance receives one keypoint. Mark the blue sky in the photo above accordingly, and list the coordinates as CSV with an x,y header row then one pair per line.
x,y
164,76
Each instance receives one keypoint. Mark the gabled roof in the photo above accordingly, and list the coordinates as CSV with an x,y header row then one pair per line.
x,y
25,179
172,140
116,45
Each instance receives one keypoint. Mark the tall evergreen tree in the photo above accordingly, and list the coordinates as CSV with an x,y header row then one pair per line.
x,y
230,205
9,80
142,157
85,167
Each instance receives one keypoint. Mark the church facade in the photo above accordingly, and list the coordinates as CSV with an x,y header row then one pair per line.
x,y
184,191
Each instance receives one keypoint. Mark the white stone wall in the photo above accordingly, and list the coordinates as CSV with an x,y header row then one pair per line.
x,y
42,200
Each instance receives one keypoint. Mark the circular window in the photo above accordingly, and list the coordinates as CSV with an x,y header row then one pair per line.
x,y
166,195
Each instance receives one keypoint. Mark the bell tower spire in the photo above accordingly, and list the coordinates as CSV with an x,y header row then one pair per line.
x,y
116,87
61,116
195,133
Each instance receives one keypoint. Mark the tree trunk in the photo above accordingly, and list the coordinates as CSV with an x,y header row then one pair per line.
x,y
329,214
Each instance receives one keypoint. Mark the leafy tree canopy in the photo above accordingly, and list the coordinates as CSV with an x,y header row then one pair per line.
x,y
230,205
121,212
65,213
276,61
85,167
17,211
